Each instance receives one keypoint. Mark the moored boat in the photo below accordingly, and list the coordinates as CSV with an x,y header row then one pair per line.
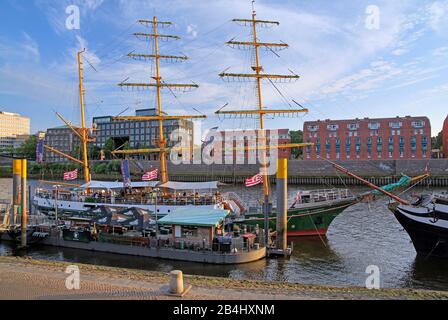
x,y
311,213
426,222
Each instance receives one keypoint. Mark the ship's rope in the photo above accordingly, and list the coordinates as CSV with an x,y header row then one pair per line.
x,y
317,231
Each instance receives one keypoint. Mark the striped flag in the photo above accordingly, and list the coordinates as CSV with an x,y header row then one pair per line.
x,y
256,179
71,175
151,175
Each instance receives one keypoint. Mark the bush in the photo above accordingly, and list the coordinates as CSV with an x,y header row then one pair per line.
x,y
100,168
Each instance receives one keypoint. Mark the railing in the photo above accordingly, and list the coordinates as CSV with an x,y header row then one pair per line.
x,y
179,200
236,246
7,219
328,194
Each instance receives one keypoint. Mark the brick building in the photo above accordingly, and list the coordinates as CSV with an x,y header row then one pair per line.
x,y
369,139
233,142
445,137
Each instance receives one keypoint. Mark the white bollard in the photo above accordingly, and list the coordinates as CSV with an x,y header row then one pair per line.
x,y
176,282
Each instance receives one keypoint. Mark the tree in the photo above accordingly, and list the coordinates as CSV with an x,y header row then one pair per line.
x,y
28,148
296,137
437,141
109,146
93,151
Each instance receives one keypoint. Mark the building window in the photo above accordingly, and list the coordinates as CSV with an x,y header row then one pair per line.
x,y
374,126
396,125
418,124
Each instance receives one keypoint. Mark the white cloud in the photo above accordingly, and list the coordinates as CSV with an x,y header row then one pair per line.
x,y
438,17
26,49
440,52
192,30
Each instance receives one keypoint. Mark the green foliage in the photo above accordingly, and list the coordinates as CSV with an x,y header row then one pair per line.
x,y
28,148
114,167
94,152
437,141
109,146
296,137
100,168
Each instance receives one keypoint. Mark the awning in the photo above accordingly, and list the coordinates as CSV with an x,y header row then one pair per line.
x,y
190,185
109,185
203,217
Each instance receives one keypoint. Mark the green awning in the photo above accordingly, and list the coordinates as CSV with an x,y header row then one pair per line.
x,y
200,217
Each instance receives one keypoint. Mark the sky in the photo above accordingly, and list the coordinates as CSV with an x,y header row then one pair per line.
x,y
356,59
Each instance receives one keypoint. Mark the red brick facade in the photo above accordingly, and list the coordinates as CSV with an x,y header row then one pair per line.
x,y
445,137
369,139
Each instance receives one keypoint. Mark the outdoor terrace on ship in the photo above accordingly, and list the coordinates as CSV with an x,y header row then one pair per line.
x,y
144,193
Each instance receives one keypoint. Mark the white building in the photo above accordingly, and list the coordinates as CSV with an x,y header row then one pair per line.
x,y
11,126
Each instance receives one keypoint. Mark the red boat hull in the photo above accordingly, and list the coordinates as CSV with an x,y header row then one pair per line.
x,y
308,233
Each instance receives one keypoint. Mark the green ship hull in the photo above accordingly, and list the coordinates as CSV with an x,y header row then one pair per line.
x,y
306,221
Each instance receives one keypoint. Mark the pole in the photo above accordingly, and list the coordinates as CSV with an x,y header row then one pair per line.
x,y
24,199
282,199
56,205
158,78
29,200
83,121
258,69
16,182
371,185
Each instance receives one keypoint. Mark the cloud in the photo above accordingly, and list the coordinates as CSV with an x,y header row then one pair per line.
x,y
25,49
438,17
192,30
440,52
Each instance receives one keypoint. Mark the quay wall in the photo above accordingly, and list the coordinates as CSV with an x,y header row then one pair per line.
x,y
311,172
299,172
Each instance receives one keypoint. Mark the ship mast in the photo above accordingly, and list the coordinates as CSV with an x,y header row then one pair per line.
x,y
80,132
84,135
258,75
159,84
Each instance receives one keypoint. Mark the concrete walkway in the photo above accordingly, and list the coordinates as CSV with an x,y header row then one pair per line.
x,y
22,278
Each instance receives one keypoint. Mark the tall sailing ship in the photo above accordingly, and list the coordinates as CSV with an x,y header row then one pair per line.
x,y
312,211
93,196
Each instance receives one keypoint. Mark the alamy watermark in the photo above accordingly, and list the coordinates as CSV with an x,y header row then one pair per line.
x,y
229,147
373,18
73,21
73,281
373,279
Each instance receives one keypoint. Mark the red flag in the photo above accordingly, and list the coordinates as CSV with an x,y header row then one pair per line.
x,y
257,179
71,175
151,175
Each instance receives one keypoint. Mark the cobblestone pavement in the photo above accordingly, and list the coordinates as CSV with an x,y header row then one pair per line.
x,y
35,279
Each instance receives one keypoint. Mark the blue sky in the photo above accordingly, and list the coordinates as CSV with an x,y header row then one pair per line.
x,y
347,70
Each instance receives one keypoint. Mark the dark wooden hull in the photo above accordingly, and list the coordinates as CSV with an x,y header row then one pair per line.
x,y
428,232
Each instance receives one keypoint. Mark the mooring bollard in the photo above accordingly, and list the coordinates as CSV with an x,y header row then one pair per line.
x,y
176,282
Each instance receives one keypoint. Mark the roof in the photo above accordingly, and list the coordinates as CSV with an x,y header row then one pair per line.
x,y
190,185
117,184
203,217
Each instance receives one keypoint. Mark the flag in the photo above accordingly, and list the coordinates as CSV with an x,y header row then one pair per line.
x,y
151,175
71,175
126,173
256,179
40,151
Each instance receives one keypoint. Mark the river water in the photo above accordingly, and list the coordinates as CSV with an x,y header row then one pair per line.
x,y
363,235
